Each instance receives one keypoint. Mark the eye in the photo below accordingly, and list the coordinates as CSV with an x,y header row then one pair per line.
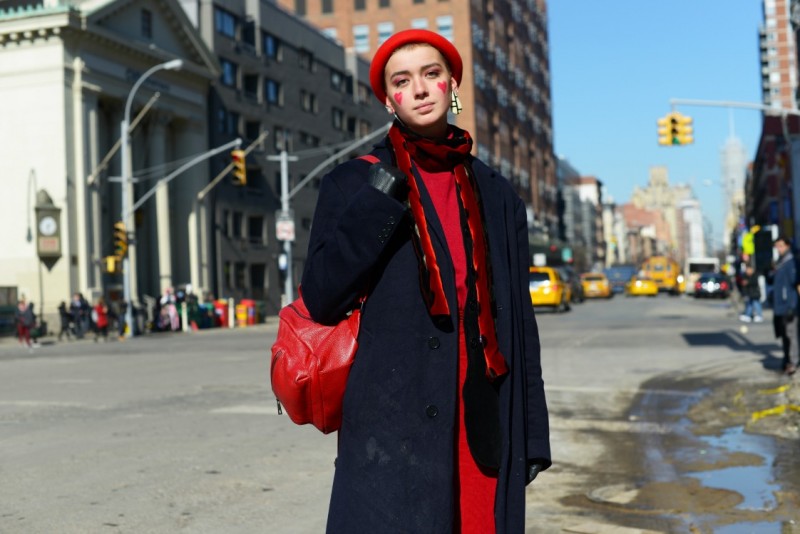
x,y
399,82
433,73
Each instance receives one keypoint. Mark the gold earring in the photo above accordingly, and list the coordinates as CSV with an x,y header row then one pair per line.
x,y
455,103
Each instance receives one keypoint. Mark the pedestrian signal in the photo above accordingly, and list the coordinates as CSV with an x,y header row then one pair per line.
x,y
120,240
675,129
239,167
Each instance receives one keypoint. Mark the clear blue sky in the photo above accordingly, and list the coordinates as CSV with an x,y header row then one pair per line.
x,y
615,65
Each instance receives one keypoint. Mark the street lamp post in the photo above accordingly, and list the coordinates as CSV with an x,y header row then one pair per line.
x,y
124,200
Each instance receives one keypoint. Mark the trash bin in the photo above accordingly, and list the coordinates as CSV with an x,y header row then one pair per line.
x,y
241,315
250,305
221,313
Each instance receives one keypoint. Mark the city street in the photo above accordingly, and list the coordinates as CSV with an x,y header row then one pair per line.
x,y
180,432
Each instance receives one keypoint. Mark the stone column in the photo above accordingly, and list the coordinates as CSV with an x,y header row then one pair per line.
x,y
157,152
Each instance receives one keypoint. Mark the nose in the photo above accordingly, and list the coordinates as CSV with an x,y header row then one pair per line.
x,y
419,86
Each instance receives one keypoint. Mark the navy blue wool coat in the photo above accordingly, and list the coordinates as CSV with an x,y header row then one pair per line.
x,y
395,464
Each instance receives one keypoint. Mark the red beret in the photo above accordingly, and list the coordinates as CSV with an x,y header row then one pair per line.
x,y
385,51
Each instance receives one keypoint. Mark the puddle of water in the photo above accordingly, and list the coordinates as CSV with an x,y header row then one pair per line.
x,y
754,483
749,528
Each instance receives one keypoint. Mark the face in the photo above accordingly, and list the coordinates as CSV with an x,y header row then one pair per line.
x,y
418,87
781,247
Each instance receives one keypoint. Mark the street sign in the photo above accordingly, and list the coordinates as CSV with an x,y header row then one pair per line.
x,y
284,225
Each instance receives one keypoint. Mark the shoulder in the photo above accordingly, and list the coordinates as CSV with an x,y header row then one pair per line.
x,y
492,181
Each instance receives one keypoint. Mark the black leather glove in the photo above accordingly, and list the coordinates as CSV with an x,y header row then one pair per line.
x,y
389,180
533,470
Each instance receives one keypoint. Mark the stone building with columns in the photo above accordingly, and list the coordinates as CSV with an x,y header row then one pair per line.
x,y
66,71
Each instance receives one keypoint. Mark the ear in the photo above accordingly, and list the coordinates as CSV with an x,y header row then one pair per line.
x,y
453,84
389,106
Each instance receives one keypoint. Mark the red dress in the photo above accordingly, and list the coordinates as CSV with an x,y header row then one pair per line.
x,y
474,489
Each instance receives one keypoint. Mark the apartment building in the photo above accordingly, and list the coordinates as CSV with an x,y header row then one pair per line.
x,y
280,77
778,46
506,83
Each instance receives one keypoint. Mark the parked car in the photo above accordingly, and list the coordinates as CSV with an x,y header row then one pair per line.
x,y
573,280
548,289
619,275
641,286
712,285
596,285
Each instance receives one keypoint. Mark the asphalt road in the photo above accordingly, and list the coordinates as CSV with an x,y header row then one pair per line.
x,y
180,432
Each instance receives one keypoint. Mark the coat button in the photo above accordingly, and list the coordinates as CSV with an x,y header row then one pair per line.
x,y
433,342
431,411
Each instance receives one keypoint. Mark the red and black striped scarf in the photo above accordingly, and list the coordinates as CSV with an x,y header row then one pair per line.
x,y
438,155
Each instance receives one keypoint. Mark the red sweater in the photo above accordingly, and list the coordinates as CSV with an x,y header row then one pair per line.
x,y
474,489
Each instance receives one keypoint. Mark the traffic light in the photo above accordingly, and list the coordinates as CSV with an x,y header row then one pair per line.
x,y
113,264
675,130
120,240
239,167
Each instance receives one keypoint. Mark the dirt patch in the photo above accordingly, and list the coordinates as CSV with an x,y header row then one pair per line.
x,y
670,494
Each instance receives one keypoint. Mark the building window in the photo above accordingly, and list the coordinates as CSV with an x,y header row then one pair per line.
x,y
228,72
273,92
361,38
226,274
337,80
306,61
255,230
147,24
444,25
419,24
327,6
385,30
232,126
272,47
283,138
239,270
360,5
236,224
330,33
300,8
419,1
337,119
225,23
383,3
308,101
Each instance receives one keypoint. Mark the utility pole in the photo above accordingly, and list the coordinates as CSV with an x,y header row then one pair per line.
x,y
284,219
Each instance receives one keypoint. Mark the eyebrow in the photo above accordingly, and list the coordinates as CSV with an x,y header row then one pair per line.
x,y
422,68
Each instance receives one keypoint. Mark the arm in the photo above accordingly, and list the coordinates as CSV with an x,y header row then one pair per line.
x,y
538,446
353,224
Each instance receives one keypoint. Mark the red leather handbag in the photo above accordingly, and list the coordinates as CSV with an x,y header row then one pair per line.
x,y
310,365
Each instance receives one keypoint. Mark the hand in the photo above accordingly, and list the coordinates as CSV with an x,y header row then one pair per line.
x,y
533,470
389,180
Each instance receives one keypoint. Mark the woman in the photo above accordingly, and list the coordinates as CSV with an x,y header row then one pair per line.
x,y
444,418
26,320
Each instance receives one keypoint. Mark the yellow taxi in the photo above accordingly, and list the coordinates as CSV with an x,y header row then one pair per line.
x,y
548,289
639,286
596,285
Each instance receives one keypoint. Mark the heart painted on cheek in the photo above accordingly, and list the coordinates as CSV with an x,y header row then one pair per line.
x,y
398,97
442,86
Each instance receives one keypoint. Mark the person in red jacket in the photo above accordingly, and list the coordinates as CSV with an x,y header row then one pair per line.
x,y
100,320
444,419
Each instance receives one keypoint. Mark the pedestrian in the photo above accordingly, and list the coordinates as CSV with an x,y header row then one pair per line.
x,y
784,306
66,320
100,320
751,293
444,417
78,308
25,321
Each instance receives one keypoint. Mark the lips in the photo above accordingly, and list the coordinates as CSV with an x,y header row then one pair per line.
x,y
427,106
